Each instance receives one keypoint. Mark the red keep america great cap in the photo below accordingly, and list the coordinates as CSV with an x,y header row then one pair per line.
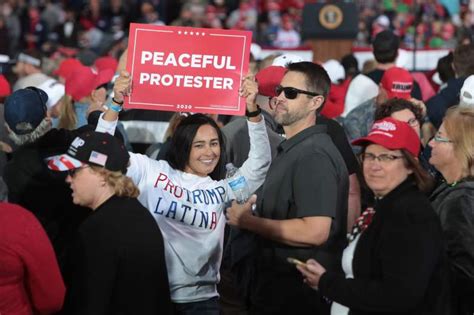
x,y
393,135
268,79
5,88
398,82
83,80
66,67
106,62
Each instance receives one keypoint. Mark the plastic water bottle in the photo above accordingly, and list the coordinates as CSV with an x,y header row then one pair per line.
x,y
237,183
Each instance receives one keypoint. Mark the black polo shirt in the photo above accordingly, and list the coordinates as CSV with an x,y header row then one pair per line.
x,y
308,177
339,138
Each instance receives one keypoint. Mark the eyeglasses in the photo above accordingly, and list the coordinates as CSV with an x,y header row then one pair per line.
x,y
441,139
74,171
291,93
413,122
382,158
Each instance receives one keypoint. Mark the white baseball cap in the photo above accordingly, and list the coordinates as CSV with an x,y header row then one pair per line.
x,y
284,60
55,91
466,96
256,51
383,20
335,70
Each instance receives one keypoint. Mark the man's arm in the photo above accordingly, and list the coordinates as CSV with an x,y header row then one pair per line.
x,y
308,231
354,203
315,198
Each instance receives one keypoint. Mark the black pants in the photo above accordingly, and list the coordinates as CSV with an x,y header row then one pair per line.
x,y
207,307
286,293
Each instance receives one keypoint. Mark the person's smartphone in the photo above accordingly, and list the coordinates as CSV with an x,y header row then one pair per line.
x,y
295,261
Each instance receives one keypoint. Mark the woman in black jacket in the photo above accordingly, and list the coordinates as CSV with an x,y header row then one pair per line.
x,y
453,200
394,262
118,262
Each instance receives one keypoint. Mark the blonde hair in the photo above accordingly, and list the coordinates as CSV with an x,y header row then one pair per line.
x,y
122,185
459,124
67,116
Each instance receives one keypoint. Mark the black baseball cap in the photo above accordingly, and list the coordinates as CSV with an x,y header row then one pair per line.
x,y
25,109
93,148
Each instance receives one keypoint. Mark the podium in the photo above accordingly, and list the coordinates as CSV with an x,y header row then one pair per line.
x,y
329,29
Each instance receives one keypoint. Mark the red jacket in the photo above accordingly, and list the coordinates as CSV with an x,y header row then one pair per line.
x,y
30,281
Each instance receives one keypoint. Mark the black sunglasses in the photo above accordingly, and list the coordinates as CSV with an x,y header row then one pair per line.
x,y
74,171
291,93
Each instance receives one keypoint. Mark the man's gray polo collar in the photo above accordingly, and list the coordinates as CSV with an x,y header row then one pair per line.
x,y
302,135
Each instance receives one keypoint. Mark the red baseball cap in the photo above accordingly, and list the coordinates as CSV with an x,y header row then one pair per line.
x,y
393,135
5,88
398,82
67,67
67,51
83,80
268,79
106,62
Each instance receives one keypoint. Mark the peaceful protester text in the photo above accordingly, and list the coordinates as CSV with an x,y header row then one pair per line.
x,y
185,60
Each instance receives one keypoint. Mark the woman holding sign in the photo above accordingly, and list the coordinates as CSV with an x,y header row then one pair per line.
x,y
187,193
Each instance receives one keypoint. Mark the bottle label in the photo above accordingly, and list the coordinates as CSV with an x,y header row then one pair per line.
x,y
238,183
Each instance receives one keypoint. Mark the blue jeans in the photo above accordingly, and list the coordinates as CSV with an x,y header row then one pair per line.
x,y
207,307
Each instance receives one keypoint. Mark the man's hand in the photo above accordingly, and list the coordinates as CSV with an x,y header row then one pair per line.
x,y
5,147
249,90
237,213
122,86
420,105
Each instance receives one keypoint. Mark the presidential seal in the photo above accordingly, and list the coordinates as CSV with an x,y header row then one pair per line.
x,y
330,16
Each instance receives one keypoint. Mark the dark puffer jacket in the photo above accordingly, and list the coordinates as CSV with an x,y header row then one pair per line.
x,y
455,207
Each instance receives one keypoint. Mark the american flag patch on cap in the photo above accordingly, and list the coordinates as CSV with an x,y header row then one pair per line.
x,y
98,158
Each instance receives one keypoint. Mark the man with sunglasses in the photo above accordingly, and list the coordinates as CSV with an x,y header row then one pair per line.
x,y
302,207
236,131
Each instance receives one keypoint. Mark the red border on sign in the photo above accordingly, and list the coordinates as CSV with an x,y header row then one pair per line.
x,y
201,98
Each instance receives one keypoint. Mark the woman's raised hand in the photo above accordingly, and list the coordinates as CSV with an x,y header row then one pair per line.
x,y
249,90
122,86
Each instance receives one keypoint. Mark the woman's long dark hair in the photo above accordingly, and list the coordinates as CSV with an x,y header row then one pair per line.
x,y
182,140
423,179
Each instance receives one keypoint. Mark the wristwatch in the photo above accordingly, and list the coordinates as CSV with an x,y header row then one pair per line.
x,y
254,113
117,102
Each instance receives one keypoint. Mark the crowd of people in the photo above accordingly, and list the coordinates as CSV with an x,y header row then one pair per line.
x,y
420,24
362,180
99,24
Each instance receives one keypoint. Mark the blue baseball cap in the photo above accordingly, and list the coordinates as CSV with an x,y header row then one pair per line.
x,y
25,109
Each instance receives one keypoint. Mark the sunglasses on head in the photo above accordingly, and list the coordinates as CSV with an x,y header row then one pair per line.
x,y
291,93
